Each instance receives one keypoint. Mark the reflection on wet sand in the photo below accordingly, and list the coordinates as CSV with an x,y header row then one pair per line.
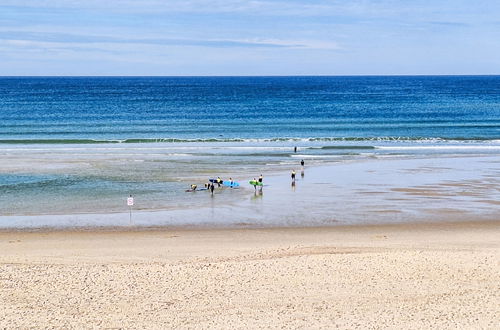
x,y
365,191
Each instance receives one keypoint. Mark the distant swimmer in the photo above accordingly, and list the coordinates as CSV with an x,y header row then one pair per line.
x,y
293,175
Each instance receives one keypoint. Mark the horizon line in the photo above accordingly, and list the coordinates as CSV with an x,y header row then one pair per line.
x,y
251,76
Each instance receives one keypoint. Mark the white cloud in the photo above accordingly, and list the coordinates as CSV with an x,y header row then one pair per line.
x,y
272,7
35,39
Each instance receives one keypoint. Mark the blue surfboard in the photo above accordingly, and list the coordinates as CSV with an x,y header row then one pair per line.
x,y
228,184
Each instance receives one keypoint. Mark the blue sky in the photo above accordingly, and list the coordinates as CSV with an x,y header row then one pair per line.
x,y
265,37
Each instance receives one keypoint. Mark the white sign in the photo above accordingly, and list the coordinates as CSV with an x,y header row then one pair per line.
x,y
130,201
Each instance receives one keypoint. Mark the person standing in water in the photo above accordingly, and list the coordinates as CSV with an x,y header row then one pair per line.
x,y
302,163
261,178
293,175
212,187
295,149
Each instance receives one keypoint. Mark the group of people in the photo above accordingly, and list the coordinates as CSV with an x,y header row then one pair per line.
x,y
208,186
211,184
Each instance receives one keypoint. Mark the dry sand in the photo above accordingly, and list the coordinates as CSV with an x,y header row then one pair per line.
x,y
397,276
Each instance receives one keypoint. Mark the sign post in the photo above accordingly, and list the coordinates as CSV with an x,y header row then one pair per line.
x,y
130,203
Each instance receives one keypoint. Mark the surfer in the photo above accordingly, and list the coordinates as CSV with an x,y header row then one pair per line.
x,y
295,149
254,184
193,187
260,178
219,181
293,175
231,182
212,187
302,163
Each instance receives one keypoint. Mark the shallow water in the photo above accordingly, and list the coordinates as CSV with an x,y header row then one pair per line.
x,y
66,179
353,192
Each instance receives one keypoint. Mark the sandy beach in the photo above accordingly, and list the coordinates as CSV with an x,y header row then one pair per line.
x,y
442,276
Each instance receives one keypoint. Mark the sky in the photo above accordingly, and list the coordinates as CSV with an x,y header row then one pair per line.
x,y
236,37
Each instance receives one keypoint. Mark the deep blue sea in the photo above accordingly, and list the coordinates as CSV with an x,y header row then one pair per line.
x,y
81,145
73,110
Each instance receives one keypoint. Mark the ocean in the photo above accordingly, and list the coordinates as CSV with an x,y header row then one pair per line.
x,y
96,110
80,145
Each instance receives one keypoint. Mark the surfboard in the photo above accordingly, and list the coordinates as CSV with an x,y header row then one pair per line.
x,y
197,189
228,184
255,183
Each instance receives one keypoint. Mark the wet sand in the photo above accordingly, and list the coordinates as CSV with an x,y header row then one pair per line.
x,y
386,276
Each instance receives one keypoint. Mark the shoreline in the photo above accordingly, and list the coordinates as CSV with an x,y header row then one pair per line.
x,y
430,224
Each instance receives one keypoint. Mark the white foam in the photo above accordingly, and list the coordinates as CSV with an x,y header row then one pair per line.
x,y
316,156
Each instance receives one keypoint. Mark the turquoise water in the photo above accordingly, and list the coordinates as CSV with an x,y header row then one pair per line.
x,y
81,145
